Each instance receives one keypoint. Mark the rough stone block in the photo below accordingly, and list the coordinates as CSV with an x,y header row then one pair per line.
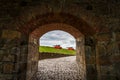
x,y
104,37
109,77
1,51
88,50
104,60
10,34
91,70
115,58
106,70
90,60
8,68
118,36
101,50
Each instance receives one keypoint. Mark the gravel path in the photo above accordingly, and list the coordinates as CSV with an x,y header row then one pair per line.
x,y
64,68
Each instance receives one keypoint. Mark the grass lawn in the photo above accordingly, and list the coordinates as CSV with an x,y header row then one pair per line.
x,y
58,51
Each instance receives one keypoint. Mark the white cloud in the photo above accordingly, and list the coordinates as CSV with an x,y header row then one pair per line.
x,y
58,37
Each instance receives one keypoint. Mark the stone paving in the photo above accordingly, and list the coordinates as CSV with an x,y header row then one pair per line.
x,y
64,68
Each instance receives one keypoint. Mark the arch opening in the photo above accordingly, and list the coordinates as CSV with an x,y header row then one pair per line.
x,y
37,33
57,43
61,37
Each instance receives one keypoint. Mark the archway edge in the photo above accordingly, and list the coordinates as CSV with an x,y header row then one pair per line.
x,y
62,22
64,18
37,33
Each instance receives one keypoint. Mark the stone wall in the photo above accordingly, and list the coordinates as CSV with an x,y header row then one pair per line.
x,y
108,56
32,57
13,54
80,57
90,55
34,43
51,55
18,18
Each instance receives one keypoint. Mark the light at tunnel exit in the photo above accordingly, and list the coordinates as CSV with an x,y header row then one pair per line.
x,y
57,37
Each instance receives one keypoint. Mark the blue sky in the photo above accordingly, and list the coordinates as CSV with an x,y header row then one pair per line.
x,y
58,37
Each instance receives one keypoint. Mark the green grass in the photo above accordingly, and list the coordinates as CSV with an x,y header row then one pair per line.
x,y
57,51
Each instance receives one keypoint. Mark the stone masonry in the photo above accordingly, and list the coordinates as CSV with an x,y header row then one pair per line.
x,y
94,23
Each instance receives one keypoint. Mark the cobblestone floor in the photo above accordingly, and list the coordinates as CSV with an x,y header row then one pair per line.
x,y
64,68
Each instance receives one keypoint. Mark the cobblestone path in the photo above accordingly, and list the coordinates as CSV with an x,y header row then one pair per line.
x,y
64,68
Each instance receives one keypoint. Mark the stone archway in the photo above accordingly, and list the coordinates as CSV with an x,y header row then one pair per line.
x,y
74,26
37,33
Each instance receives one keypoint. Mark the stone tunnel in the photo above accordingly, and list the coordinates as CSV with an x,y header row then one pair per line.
x,y
95,25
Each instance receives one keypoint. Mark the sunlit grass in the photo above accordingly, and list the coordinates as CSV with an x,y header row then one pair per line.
x,y
47,49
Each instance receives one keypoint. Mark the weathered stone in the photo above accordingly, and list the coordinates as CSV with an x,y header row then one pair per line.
x,y
10,34
109,77
64,68
107,70
105,61
90,60
99,18
118,36
91,69
104,37
115,58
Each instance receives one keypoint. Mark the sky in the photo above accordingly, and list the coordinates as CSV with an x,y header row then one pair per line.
x,y
58,37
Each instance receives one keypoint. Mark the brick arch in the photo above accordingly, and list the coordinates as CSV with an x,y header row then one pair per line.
x,y
34,44
65,18
37,33
44,23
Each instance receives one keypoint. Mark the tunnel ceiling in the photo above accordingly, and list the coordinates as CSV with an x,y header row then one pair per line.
x,y
101,15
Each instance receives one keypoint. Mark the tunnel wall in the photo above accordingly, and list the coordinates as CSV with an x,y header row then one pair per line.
x,y
13,54
80,57
103,15
32,57
90,57
108,56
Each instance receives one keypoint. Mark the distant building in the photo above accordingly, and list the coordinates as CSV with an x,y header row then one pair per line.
x,y
57,47
70,48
